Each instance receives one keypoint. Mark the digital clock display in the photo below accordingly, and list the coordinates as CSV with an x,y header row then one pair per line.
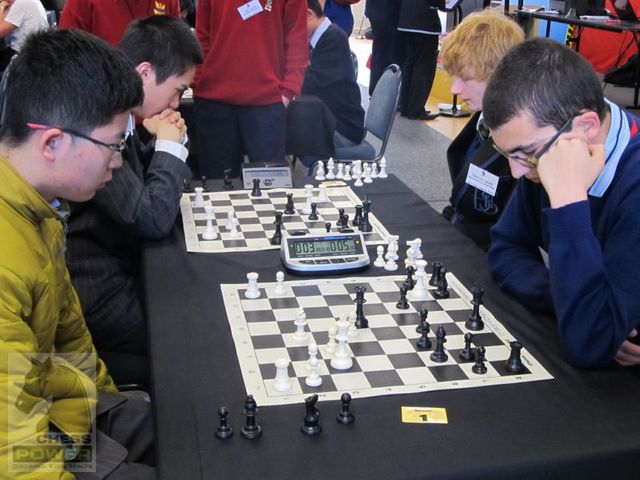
x,y
325,247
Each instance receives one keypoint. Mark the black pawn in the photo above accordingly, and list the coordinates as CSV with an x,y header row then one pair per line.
x,y
403,304
205,188
423,342
361,320
474,322
479,368
314,212
289,209
327,227
277,235
410,282
251,430
514,364
467,354
435,275
345,223
423,318
256,192
365,225
443,286
345,417
438,354
228,183
186,186
311,416
223,431
357,219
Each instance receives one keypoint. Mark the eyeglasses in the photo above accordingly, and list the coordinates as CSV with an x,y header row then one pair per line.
x,y
114,147
533,161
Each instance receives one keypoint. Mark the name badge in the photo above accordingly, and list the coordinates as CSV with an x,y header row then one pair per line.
x,y
484,181
250,9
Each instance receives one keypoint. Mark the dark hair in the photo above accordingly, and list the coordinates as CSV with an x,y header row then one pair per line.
x,y
165,42
545,78
66,78
315,7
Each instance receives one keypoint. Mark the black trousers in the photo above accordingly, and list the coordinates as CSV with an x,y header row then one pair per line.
x,y
388,47
226,132
418,72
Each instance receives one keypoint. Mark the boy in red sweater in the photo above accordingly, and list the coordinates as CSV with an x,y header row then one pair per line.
x,y
255,54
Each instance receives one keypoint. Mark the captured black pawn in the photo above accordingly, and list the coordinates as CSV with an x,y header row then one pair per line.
x,y
474,322
439,354
289,208
403,303
327,227
251,429
311,416
223,431
228,183
361,320
256,192
514,364
314,212
345,416
277,235
410,282
423,342
479,367
467,354
442,290
435,275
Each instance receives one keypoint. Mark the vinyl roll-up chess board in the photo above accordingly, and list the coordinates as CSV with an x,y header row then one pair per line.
x,y
385,358
256,218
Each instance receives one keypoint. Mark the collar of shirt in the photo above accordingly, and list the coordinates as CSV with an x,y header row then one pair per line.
x,y
614,146
315,36
131,126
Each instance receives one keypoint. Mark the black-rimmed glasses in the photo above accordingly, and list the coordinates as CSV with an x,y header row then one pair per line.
x,y
114,147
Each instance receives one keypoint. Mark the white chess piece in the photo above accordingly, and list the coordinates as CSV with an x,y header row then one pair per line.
x,y
374,170
367,174
230,216
330,347
392,248
198,201
341,359
391,265
353,331
340,174
358,182
313,380
322,194
330,173
235,223
209,232
347,173
419,291
357,167
320,171
308,193
282,382
300,335
252,290
379,262
279,289
383,168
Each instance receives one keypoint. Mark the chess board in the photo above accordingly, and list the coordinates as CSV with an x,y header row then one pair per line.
x,y
256,217
385,359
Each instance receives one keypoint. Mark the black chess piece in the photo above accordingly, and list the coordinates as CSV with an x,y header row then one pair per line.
x,y
403,304
186,186
474,322
256,192
345,417
443,286
277,235
514,363
327,227
228,183
314,212
435,275
345,223
361,320
423,318
423,342
289,208
479,368
357,219
439,354
410,282
205,188
311,417
223,431
251,430
467,354
365,225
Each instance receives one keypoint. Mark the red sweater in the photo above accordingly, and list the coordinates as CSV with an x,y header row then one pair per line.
x,y
253,61
108,19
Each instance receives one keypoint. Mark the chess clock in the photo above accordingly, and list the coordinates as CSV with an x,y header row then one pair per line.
x,y
330,252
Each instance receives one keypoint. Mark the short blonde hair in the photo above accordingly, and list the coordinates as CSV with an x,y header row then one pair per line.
x,y
476,46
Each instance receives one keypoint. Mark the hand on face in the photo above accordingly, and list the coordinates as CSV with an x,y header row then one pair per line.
x,y
167,125
569,168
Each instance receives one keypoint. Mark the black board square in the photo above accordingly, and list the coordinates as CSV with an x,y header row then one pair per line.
x,y
499,366
361,349
389,297
327,385
285,302
384,378
317,312
197,210
238,196
268,370
387,333
248,221
447,373
292,219
267,341
306,291
286,326
315,224
333,300
267,213
244,208
234,243
221,203
459,315
327,217
259,316
298,354
486,339
277,194
339,198
449,328
200,223
254,235
355,368
351,287
405,360
220,215
260,201
374,309
409,318
455,354
430,305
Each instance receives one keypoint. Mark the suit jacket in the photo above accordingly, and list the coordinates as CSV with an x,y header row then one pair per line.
x,y
382,10
420,16
331,77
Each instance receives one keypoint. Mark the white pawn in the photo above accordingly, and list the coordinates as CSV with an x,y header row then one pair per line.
x,y
330,173
347,173
230,217
419,291
374,170
300,335
379,262
252,290
308,193
340,174
279,289
391,265
353,331
313,380
198,201
330,347
322,194
282,382
341,359
209,232
367,174
320,171
383,168
358,182
234,227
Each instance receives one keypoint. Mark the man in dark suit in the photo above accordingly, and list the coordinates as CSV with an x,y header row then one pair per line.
x,y
331,77
388,43
142,201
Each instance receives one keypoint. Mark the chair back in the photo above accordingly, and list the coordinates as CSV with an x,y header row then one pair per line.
x,y
383,105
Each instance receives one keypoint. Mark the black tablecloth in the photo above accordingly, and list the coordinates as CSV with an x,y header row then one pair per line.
x,y
582,424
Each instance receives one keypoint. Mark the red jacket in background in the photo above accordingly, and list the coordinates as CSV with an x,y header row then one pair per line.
x,y
253,61
108,19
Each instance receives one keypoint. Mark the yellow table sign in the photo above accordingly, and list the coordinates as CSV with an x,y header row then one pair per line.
x,y
424,415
